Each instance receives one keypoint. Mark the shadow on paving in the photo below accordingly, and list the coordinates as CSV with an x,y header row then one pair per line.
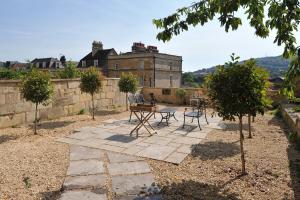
x,y
215,150
293,152
6,138
52,125
195,190
121,138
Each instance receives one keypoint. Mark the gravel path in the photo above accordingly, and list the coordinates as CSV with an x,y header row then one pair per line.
x,y
34,166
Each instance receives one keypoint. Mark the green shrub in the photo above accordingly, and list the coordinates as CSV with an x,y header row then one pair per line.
x,y
9,74
37,88
292,136
70,71
294,100
91,83
81,112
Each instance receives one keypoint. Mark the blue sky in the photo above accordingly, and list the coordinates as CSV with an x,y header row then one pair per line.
x,y
48,28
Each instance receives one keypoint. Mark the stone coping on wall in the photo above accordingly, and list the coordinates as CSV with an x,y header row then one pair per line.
x,y
291,118
53,80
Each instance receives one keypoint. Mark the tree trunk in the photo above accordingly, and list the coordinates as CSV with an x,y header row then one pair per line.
x,y
242,146
126,101
35,120
253,118
249,126
93,107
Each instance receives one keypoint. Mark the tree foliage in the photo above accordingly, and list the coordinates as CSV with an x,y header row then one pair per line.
x,y
292,73
37,87
238,90
91,83
282,16
181,93
128,83
70,71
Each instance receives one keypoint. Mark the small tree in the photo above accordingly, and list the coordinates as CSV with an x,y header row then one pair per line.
x,y
128,83
91,83
236,90
37,88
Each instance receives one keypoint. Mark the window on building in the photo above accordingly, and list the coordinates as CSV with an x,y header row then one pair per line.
x,y
116,66
83,63
170,65
171,81
96,64
40,65
57,64
150,82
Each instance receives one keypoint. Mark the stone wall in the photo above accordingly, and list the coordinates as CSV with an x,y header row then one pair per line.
x,y
168,95
67,100
291,118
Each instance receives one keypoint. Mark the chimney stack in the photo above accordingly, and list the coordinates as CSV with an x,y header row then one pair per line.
x,y
152,49
97,45
138,47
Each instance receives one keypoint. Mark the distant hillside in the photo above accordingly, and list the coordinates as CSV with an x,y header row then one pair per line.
x,y
276,65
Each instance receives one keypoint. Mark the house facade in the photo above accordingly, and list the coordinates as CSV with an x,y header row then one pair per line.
x,y
98,57
47,63
152,68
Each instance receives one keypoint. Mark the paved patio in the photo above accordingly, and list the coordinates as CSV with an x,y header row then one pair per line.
x,y
170,144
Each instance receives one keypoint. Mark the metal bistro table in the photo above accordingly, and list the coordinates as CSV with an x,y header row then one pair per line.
x,y
166,114
139,111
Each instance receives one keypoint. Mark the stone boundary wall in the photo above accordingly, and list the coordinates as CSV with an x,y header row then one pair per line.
x,y
170,97
291,118
67,100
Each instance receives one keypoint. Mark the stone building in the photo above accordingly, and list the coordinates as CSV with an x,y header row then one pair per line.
x,y
47,63
152,68
98,57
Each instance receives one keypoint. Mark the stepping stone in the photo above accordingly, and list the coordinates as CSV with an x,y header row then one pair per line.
x,y
131,184
119,158
157,152
84,153
82,195
127,168
85,167
85,182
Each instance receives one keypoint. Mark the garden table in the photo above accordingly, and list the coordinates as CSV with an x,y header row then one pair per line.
x,y
143,113
166,114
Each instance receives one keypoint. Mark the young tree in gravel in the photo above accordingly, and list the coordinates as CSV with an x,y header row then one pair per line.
x,y
91,83
128,83
236,90
37,87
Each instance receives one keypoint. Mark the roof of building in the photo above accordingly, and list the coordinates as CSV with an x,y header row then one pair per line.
x,y
44,59
19,65
100,54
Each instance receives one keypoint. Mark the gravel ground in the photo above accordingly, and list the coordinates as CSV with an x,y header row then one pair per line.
x,y
212,171
34,166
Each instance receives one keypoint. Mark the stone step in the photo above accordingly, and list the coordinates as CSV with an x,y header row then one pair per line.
x,y
82,195
86,182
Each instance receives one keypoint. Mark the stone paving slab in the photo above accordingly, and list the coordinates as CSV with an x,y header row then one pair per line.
x,y
68,140
157,152
131,184
118,158
127,168
136,197
83,153
92,142
176,157
81,135
85,167
82,195
84,182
